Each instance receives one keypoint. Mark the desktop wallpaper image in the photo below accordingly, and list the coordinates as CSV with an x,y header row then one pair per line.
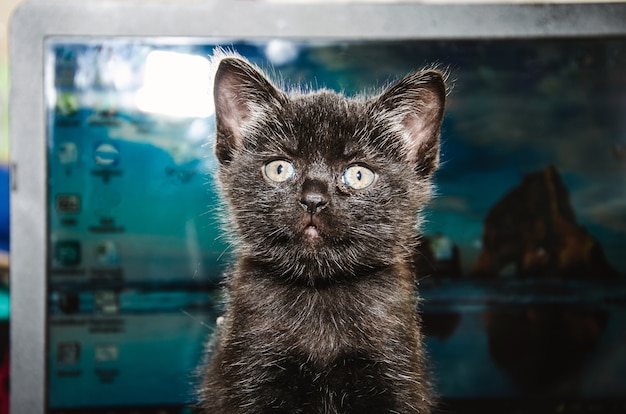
x,y
522,278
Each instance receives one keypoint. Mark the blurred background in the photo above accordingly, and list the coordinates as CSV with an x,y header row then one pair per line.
x,y
443,344
6,8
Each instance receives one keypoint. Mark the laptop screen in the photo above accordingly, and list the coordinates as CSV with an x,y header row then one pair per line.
x,y
522,265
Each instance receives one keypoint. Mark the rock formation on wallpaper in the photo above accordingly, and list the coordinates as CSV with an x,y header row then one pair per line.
x,y
534,229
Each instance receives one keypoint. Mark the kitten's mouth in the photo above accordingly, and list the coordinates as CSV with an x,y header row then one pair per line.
x,y
311,230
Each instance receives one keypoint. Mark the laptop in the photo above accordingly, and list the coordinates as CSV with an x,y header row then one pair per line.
x,y
117,253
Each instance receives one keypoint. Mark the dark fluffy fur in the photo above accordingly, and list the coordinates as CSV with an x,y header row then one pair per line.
x,y
325,323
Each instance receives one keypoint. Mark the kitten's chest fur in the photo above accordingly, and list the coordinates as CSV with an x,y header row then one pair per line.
x,y
330,350
325,323
322,194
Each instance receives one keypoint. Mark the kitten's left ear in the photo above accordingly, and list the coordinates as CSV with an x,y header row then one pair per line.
x,y
242,94
415,107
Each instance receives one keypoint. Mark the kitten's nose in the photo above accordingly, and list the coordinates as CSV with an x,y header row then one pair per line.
x,y
314,196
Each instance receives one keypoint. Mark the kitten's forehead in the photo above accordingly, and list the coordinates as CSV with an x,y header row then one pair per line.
x,y
327,124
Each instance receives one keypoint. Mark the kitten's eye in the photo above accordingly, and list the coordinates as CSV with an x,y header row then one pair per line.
x,y
358,177
278,170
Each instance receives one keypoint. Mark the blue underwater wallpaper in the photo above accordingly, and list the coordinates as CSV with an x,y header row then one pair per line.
x,y
522,260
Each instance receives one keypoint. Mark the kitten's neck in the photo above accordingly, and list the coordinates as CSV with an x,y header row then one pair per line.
x,y
314,279
310,276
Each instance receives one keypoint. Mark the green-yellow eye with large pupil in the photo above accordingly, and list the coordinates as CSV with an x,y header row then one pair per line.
x,y
358,177
278,170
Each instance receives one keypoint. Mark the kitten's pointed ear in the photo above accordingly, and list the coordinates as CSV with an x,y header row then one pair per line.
x,y
242,95
415,107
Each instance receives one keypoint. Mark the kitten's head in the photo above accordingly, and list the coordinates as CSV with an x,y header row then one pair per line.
x,y
319,186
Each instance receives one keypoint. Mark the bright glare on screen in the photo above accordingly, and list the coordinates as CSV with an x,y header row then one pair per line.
x,y
176,84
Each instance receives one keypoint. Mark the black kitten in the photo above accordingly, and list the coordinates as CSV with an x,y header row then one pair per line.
x,y
322,195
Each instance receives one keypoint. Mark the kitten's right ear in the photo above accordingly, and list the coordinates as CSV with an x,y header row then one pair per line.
x,y
414,106
242,94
